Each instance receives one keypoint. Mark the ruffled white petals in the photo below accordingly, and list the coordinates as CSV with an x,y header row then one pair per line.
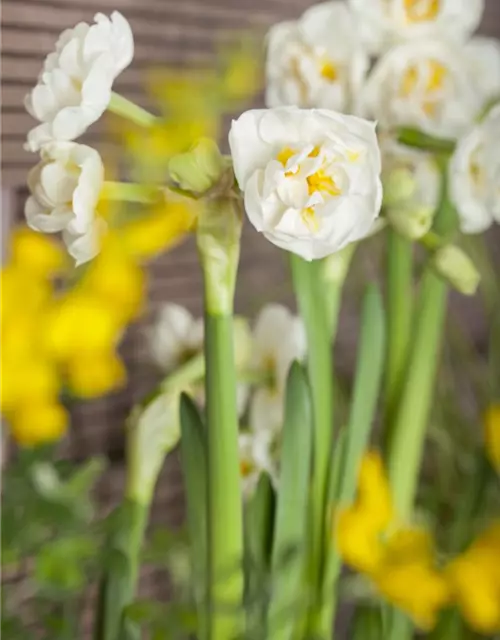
x,y
311,178
424,84
474,175
382,23
65,188
316,61
74,87
176,337
85,246
279,339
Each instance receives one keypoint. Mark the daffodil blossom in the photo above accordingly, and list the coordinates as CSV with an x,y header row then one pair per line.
x,y
74,86
483,60
383,22
279,339
255,459
175,337
474,175
426,84
65,188
316,61
311,178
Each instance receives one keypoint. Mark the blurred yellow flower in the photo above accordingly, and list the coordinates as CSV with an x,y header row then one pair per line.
x,y
398,561
95,374
475,579
491,423
39,256
38,421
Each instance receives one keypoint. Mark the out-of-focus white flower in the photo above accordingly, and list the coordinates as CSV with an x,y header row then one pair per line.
x,y
474,175
176,337
425,84
412,185
383,22
311,178
255,458
483,57
279,339
316,61
74,86
65,188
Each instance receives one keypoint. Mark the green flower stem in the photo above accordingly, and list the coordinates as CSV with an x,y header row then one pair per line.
x,y
410,424
399,317
218,239
188,373
310,296
225,517
129,192
130,111
415,138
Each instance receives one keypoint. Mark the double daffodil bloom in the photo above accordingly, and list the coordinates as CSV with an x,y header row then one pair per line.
x,y
399,561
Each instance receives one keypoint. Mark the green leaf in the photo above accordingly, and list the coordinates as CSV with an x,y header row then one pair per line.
x,y
194,468
368,377
61,565
292,508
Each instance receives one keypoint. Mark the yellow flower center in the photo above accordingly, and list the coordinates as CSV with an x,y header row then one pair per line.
x,y
246,468
319,181
435,81
329,71
421,10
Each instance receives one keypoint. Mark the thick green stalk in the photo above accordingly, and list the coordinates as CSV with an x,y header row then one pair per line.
x,y
308,289
406,446
399,317
411,418
130,111
225,518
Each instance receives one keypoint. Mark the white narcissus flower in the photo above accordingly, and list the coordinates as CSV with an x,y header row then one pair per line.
x,y
316,61
176,337
279,339
384,22
65,188
424,84
255,458
483,58
412,188
74,86
474,175
311,178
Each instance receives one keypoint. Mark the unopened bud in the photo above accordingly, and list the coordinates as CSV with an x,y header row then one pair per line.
x,y
198,169
399,186
454,265
337,264
411,221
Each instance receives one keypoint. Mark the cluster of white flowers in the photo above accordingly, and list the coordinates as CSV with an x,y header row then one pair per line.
x,y
310,176
72,92
265,356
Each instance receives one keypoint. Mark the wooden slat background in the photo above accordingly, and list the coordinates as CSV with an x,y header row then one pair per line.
x,y
171,32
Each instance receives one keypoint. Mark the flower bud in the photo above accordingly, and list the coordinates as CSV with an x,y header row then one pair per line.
x,y
411,221
399,186
336,265
199,168
454,265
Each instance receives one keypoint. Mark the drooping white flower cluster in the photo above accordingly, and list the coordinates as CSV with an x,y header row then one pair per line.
x,y
310,176
72,92
263,359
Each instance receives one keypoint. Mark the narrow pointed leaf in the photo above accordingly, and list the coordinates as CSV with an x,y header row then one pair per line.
x,y
289,548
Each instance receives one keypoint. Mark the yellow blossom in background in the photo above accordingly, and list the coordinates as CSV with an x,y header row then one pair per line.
x,y
491,423
94,374
398,561
475,580
39,421
40,257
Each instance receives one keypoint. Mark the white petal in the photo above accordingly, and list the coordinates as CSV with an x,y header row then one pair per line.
x,y
86,246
